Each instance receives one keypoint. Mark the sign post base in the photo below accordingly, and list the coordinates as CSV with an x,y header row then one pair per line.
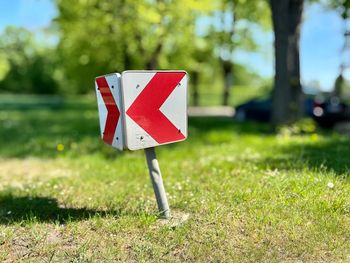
x,y
157,182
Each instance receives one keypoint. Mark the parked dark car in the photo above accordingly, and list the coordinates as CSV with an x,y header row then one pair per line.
x,y
328,112
259,109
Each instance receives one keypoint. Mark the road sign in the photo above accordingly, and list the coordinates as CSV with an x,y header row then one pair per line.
x,y
142,109
156,107
108,91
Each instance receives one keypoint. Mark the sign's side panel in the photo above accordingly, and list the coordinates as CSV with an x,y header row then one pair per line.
x,y
114,82
150,119
108,95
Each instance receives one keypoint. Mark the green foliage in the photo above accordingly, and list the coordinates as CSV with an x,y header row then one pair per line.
x,y
303,126
24,67
243,76
97,37
341,6
230,26
230,30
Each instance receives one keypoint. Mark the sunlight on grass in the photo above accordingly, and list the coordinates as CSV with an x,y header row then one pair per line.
x,y
251,195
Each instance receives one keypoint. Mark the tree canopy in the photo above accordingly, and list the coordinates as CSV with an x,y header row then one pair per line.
x,y
25,66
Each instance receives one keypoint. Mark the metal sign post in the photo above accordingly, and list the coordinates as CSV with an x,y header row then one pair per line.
x,y
157,182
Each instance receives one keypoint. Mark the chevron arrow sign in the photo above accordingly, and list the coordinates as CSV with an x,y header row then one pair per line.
x,y
142,109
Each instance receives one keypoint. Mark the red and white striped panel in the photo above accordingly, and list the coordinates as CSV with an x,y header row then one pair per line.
x,y
108,91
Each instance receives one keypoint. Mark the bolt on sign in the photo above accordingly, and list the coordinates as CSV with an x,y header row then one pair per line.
x,y
142,109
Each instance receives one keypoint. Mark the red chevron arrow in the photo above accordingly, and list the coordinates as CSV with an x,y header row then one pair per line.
x,y
112,110
145,110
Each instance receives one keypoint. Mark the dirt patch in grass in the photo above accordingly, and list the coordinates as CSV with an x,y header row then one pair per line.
x,y
17,172
176,219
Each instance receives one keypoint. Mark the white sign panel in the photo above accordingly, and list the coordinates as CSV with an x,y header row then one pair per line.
x,y
149,107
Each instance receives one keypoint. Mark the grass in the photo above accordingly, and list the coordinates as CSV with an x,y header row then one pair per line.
x,y
252,195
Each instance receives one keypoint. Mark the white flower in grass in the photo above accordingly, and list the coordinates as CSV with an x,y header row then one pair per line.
x,y
9,212
330,185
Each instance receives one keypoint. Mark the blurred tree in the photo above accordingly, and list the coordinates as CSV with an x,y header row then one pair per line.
x,y
200,63
244,76
343,8
24,66
230,30
287,92
339,86
97,37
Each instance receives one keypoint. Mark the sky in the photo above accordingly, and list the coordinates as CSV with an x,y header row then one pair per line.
x,y
32,14
320,48
321,39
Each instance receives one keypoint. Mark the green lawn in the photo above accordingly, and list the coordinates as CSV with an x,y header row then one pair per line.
x,y
251,195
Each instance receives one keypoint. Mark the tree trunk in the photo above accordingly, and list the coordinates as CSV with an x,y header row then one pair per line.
x,y
195,93
152,63
287,92
126,57
338,86
227,68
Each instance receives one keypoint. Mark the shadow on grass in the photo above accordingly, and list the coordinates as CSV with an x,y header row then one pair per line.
x,y
330,154
10,102
43,209
218,130
203,125
37,131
